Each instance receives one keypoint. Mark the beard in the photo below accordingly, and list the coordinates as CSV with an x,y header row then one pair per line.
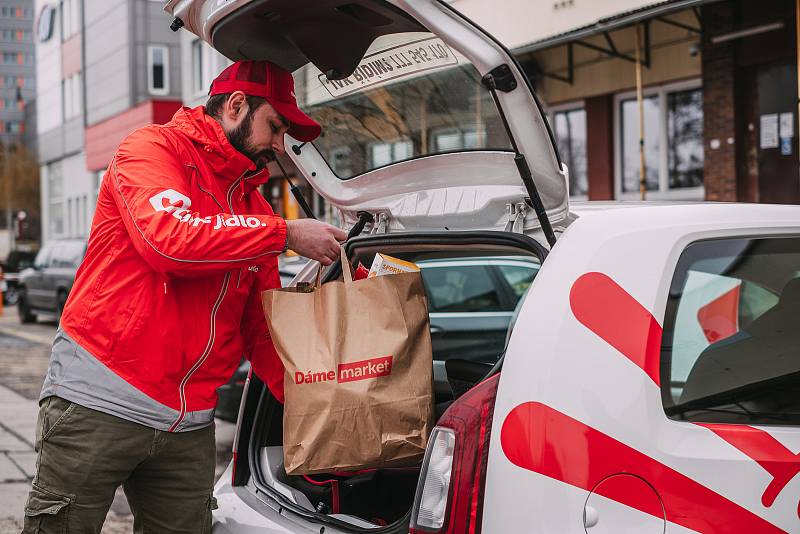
x,y
239,138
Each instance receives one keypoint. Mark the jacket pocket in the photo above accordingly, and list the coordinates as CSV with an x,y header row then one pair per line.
x,y
46,512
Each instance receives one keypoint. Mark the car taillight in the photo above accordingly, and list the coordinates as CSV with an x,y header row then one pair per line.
x,y
449,496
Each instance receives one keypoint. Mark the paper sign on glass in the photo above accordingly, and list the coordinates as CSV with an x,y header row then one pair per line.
x,y
769,131
787,124
399,61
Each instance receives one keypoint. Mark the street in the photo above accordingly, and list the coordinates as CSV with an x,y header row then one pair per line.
x,y
24,354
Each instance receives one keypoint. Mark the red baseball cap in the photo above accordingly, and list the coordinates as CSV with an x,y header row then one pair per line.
x,y
272,83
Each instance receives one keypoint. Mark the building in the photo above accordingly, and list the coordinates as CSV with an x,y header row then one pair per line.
x,y
18,70
104,68
719,102
17,93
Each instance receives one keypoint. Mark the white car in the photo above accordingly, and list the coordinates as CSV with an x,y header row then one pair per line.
x,y
651,379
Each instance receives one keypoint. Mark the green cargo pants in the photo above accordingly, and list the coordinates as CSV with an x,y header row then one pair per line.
x,y
85,455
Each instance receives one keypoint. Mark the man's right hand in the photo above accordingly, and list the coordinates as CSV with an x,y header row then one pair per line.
x,y
315,239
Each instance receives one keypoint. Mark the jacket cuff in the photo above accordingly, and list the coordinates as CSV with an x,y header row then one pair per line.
x,y
281,235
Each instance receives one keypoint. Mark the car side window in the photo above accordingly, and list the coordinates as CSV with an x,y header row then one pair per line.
x,y
67,255
730,346
460,288
42,258
58,257
519,277
73,254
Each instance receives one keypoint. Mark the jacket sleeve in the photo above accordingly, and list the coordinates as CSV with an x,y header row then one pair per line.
x,y
258,347
150,186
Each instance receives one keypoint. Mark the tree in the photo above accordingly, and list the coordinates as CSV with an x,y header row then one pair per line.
x,y
19,186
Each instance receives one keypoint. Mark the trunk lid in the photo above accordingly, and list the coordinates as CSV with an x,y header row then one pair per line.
x,y
411,131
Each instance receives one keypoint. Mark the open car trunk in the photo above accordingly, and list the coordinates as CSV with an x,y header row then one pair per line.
x,y
475,281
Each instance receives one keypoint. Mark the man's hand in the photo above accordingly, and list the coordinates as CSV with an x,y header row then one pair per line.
x,y
315,239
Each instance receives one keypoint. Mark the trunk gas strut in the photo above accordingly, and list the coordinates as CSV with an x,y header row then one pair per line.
x,y
502,77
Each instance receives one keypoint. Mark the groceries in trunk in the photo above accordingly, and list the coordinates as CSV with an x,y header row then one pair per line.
x,y
358,374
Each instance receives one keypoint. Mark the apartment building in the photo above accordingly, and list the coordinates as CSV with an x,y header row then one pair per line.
x,y
17,80
104,68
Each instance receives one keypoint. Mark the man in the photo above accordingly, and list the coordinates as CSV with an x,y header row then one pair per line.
x,y
163,307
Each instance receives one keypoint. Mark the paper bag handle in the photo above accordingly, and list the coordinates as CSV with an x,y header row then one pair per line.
x,y
347,272
318,278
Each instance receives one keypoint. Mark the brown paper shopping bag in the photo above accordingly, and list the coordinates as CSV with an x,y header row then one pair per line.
x,y
358,382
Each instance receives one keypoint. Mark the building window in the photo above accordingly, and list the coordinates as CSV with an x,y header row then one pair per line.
x,y
70,18
69,217
72,92
84,216
158,70
629,139
673,143
339,159
55,193
198,70
77,93
453,139
685,138
381,154
569,127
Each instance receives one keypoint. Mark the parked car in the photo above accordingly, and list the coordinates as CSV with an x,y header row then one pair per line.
x,y
44,287
471,301
16,262
650,381
289,266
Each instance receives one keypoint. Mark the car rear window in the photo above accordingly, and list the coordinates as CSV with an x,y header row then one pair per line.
x,y
67,255
411,96
731,344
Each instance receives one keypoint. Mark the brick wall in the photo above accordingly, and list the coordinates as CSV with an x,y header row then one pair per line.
x,y
719,105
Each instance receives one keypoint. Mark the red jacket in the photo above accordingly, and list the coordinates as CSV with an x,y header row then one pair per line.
x,y
167,298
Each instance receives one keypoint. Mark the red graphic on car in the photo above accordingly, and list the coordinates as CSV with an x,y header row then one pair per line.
x,y
541,439
767,452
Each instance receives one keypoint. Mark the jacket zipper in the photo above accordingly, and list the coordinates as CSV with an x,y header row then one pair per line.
x,y
212,333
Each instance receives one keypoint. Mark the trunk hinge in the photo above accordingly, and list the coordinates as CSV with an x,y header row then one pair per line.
x,y
516,217
381,226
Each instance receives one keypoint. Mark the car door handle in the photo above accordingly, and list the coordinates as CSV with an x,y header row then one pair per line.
x,y
435,330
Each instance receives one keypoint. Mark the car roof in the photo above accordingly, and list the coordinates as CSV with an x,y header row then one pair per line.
x,y
628,217
588,206
66,240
